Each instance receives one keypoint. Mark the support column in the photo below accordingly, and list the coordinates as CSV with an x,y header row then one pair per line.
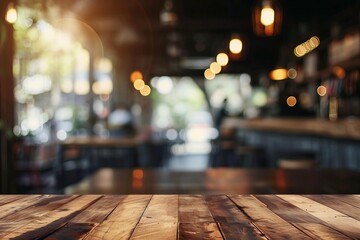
x,y
6,100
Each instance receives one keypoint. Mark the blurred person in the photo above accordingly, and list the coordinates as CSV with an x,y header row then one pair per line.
x,y
222,113
120,122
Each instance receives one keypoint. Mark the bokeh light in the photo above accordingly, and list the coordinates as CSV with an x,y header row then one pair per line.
x,y
291,101
135,75
208,74
279,74
267,16
215,68
321,91
102,87
139,84
307,46
145,91
164,85
81,87
235,46
292,73
11,14
222,59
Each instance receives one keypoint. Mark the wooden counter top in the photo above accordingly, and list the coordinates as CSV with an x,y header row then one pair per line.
x,y
348,129
179,217
218,181
100,142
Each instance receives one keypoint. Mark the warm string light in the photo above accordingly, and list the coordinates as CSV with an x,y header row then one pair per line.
x,y
135,75
136,78
215,68
235,45
222,59
139,84
307,46
209,75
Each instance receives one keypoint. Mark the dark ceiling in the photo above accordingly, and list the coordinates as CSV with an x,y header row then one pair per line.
x,y
132,34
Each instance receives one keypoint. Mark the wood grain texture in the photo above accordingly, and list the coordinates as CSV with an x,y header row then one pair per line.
x,y
155,231
18,204
353,200
9,198
85,221
162,208
36,211
193,209
122,221
337,205
224,211
345,224
180,217
264,219
48,223
306,222
159,219
192,231
238,231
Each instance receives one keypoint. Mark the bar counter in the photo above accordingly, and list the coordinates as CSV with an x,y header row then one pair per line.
x,y
218,181
179,217
342,129
332,144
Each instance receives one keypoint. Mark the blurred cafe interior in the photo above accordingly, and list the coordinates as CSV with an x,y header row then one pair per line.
x,y
179,96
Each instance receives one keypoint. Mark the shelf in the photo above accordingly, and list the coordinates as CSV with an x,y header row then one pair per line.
x,y
348,64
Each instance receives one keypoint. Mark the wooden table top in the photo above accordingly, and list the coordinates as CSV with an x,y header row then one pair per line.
x,y
179,217
218,181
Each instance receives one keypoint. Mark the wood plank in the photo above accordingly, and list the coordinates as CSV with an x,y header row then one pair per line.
x,y
4,199
72,231
273,226
192,231
343,223
237,231
18,205
155,231
162,208
159,219
29,214
43,226
353,200
84,222
306,222
337,205
122,221
193,209
224,211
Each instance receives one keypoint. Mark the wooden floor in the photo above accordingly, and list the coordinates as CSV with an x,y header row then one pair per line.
x,y
179,217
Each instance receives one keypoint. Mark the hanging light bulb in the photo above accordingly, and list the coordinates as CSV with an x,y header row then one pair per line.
x,y
267,17
11,14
